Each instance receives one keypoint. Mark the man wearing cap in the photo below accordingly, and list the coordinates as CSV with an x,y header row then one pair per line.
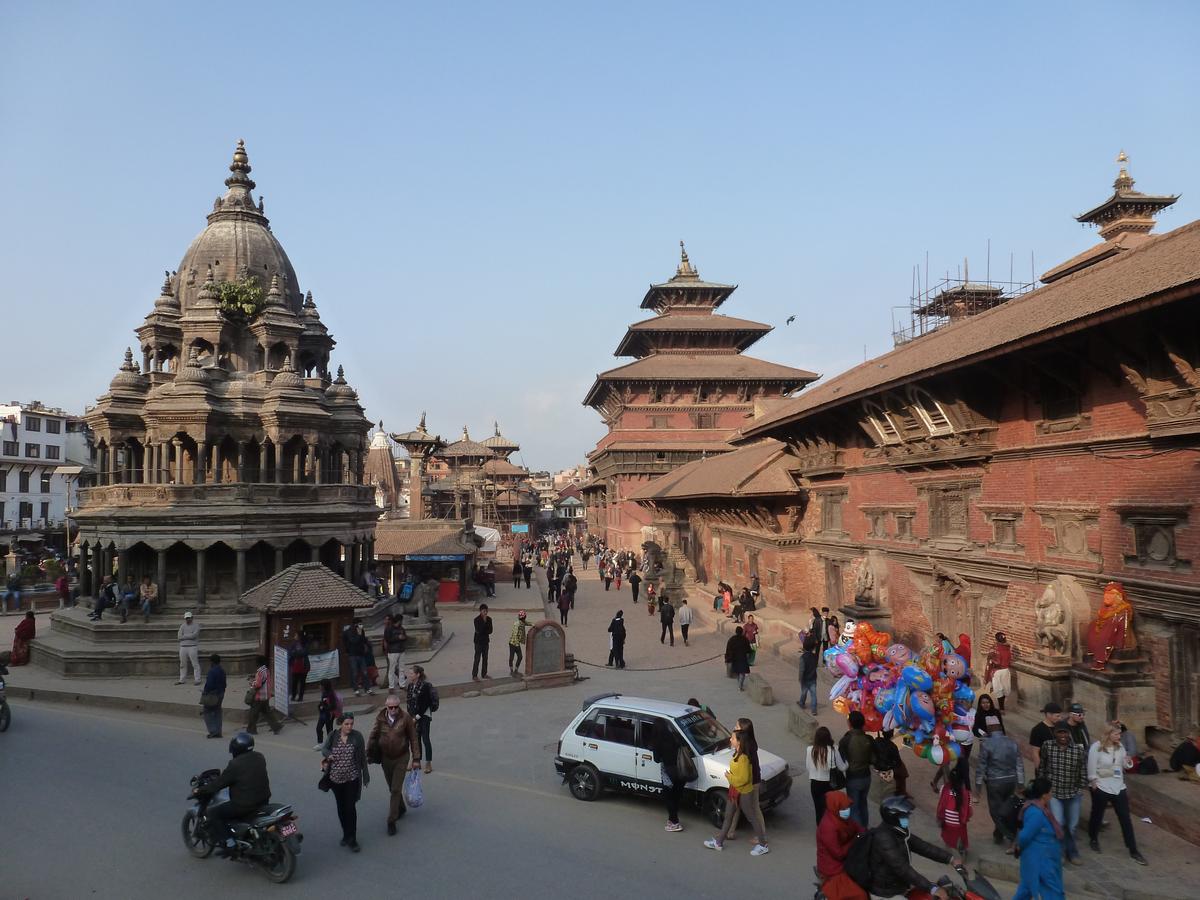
x,y
1078,727
1064,764
1043,731
189,648
516,641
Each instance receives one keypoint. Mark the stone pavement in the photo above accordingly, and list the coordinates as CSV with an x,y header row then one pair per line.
x,y
448,666
1174,867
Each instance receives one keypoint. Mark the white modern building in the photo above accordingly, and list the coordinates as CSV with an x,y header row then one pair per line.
x,y
43,451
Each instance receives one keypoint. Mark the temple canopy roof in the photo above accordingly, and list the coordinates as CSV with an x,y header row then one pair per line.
x,y
686,290
1126,210
499,444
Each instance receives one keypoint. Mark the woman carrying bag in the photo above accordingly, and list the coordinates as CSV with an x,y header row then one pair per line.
x,y
344,764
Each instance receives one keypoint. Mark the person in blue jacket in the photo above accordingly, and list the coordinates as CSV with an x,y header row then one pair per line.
x,y
1040,846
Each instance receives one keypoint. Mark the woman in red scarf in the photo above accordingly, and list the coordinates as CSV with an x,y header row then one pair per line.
x,y
964,648
23,634
835,834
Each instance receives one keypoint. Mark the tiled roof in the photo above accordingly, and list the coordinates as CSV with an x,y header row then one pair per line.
x,y
394,538
754,470
1096,253
692,367
303,587
1168,262
502,467
465,448
685,446
691,322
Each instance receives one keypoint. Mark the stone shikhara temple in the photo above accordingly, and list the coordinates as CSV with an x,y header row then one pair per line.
x,y
230,453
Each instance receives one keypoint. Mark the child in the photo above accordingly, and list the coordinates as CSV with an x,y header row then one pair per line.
x,y
954,812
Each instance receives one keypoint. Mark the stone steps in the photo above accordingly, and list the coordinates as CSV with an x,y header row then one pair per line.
x,y
67,654
162,629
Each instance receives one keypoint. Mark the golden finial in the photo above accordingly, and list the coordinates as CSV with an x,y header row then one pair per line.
x,y
685,266
1124,181
1122,157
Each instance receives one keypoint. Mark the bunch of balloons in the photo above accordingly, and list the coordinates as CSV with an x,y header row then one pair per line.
x,y
926,696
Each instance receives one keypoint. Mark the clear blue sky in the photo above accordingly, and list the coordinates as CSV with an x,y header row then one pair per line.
x,y
478,194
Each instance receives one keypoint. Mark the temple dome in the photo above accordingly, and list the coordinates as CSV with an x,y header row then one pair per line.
x,y
340,391
128,378
238,241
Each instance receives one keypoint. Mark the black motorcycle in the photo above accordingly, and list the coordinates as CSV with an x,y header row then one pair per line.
x,y
977,888
269,838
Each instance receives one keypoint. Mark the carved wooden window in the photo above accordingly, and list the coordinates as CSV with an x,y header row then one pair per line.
x,y
660,421
772,578
831,511
904,523
706,420
948,510
752,555
930,412
881,422
655,395
728,560
1155,536
1059,399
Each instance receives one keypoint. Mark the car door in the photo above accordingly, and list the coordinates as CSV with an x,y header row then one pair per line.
x,y
649,771
615,756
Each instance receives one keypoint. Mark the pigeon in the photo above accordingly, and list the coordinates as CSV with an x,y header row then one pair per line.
x,y
790,320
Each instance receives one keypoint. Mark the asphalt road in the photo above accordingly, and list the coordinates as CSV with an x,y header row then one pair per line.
x,y
92,804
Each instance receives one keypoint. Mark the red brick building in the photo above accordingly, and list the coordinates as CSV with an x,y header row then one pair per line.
x,y
688,388
994,474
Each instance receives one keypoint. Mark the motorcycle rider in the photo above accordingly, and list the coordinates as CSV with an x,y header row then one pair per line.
x,y
249,789
892,847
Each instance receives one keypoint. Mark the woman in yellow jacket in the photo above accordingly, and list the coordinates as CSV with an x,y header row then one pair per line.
x,y
742,795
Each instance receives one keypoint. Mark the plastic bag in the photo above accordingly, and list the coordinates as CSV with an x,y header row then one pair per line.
x,y
413,795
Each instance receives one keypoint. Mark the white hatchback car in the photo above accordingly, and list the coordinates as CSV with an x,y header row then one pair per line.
x,y
608,745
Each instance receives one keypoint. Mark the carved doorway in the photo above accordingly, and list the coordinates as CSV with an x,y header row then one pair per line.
x,y
833,585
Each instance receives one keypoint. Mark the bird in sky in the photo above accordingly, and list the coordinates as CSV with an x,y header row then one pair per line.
x,y
790,320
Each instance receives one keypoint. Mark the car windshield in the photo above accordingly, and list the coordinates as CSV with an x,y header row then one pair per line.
x,y
704,731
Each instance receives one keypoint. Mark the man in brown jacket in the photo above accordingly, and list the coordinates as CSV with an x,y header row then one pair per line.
x,y
392,743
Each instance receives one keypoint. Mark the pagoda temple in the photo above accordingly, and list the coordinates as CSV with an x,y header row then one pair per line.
x,y
689,387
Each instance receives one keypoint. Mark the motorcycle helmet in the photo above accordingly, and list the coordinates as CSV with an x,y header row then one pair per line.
x,y
893,809
241,743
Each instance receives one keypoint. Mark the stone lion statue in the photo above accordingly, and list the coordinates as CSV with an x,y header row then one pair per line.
x,y
423,604
1052,631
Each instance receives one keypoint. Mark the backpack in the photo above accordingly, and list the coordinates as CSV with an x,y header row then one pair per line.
x,y
685,765
858,860
434,700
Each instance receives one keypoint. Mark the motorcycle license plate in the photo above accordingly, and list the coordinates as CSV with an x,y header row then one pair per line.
x,y
287,829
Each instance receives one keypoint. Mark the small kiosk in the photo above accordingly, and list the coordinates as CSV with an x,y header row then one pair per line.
x,y
310,600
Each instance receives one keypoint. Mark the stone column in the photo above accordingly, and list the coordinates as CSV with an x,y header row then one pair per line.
x,y
241,461
97,565
114,476
241,573
178,445
278,560
310,463
317,453
105,562
122,568
416,503
162,578
83,568
279,463
201,475
148,463
262,461
218,464
351,561
297,465
145,359
201,559
314,552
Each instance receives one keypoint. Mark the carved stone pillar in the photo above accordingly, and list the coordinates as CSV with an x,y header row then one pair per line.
x,y
314,552
278,560
201,475
122,568
241,462
97,565
148,463
161,577
279,463
218,464
84,568
178,445
241,572
298,465
316,451
201,559
262,461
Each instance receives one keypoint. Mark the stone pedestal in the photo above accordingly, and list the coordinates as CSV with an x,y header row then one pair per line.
x,y
1121,691
1042,678
422,635
880,617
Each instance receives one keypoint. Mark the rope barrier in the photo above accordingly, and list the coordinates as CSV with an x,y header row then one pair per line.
x,y
584,662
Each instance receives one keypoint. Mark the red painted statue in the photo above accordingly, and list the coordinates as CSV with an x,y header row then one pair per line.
x,y
1113,628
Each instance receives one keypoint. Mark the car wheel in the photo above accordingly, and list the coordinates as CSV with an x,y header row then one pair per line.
x,y
715,802
585,782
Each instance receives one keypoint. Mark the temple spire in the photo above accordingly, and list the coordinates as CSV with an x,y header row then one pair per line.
x,y
1127,211
685,269
240,167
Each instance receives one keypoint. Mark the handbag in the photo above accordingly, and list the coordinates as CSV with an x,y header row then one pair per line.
x,y
325,783
210,700
250,695
837,779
